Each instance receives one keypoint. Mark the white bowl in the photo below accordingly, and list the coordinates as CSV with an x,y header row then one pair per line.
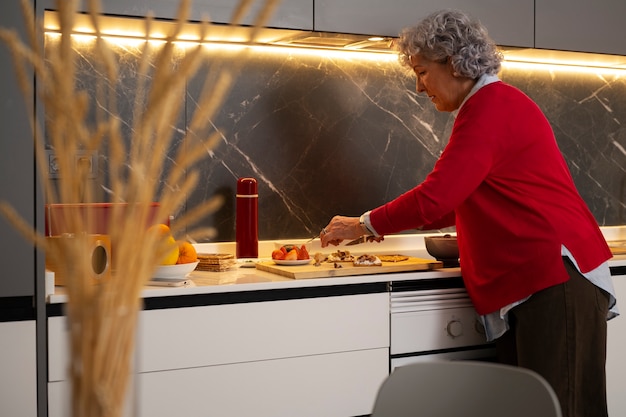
x,y
174,271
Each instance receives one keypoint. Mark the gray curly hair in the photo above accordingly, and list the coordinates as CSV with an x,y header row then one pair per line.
x,y
451,34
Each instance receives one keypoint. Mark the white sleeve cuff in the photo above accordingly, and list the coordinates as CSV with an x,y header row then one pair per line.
x,y
365,220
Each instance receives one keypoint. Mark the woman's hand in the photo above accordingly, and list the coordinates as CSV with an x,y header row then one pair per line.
x,y
340,228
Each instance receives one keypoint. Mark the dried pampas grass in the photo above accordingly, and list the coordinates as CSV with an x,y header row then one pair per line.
x,y
102,318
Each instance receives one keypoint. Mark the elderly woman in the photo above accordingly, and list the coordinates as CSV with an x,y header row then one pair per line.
x,y
533,258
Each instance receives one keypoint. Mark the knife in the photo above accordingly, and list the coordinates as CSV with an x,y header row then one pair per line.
x,y
315,237
362,239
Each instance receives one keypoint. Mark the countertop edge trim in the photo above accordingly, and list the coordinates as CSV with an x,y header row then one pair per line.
x,y
16,309
196,300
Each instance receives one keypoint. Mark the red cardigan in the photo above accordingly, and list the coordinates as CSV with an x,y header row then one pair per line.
x,y
504,183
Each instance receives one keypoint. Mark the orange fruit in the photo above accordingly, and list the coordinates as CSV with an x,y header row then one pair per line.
x,y
278,254
186,253
303,253
292,255
160,229
172,252
162,233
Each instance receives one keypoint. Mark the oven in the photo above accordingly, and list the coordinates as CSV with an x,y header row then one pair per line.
x,y
435,320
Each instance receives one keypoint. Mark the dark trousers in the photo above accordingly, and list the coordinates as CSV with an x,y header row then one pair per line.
x,y
560,333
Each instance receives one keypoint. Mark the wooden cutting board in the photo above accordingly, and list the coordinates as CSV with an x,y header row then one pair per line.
x,y
327,269
618,247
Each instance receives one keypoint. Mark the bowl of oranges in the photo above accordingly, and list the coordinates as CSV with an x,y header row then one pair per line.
x,y
179,259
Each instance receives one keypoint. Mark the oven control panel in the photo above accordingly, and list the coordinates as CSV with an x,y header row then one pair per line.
x,y
431,320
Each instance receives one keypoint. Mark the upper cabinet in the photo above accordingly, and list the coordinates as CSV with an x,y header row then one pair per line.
x,y
581,25
17,168
291,14
509,22
571,25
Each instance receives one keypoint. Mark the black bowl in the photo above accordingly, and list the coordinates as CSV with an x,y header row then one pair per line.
x,y
443,248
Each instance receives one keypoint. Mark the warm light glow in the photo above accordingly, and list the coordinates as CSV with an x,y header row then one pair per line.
x,y
564,61
329,53
296,50
566,67
84,39
347,54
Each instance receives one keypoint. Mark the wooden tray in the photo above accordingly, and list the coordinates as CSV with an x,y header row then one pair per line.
x,y
327,269
618,247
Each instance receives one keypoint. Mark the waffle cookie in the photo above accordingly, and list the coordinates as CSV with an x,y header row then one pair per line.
x,y
215,262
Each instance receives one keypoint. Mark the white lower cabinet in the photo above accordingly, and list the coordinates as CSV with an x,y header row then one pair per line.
x,y
18,373
321,356
303,357
340,384
59,388
59,399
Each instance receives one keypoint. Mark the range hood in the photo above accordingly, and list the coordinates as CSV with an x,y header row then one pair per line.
x,y
338,40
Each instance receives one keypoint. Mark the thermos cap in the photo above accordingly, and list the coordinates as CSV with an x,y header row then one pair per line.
x,y
246,187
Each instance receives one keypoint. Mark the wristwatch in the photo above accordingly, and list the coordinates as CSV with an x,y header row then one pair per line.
x,y
366,229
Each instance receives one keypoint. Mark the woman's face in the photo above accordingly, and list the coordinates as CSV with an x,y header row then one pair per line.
x,y
438,80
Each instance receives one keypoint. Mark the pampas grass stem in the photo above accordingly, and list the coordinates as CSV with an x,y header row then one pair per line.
x,y
102,317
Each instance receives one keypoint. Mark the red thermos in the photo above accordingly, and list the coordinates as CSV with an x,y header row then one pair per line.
x,y
247,223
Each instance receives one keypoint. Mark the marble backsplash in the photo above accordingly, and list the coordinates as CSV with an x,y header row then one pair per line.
x,y
328,135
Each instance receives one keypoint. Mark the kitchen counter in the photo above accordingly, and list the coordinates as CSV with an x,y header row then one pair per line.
x,y
240,279
253,333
